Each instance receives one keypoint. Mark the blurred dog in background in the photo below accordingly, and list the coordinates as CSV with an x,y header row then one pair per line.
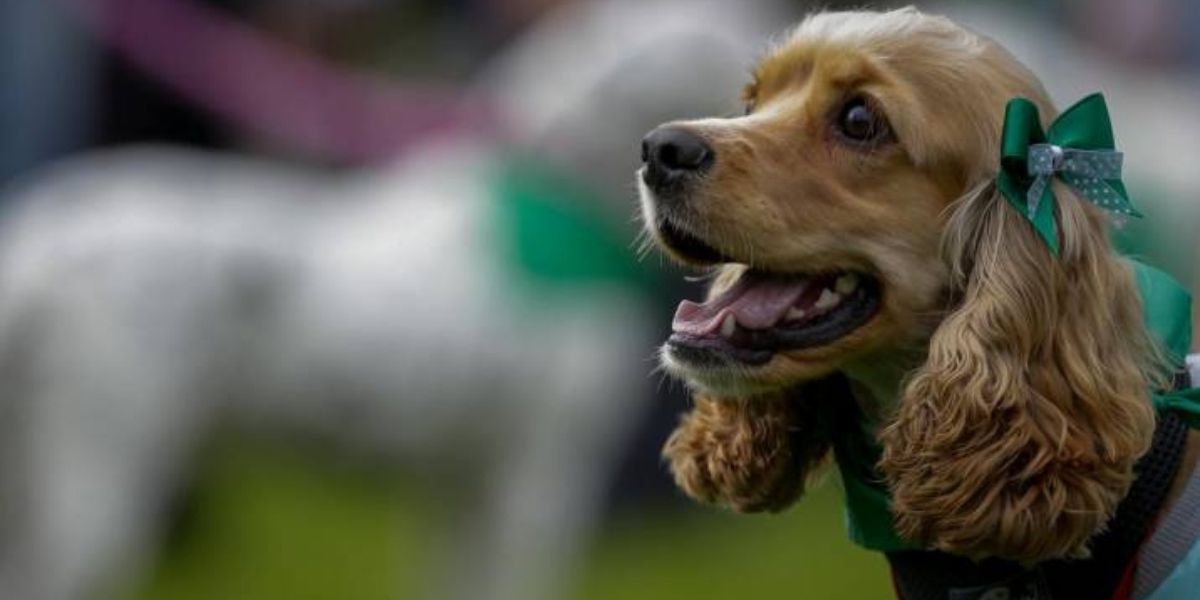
x,y
147,294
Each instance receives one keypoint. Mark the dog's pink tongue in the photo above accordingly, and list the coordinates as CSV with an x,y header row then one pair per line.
x,y
756,302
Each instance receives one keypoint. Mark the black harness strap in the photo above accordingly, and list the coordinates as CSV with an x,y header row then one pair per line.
x,y
931,575
1115,549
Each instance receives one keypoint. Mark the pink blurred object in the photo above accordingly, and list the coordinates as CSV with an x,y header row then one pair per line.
x,y
268,87
1141,31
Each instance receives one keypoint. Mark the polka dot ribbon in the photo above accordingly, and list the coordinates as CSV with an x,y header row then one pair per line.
x,y
1084,170
1078,148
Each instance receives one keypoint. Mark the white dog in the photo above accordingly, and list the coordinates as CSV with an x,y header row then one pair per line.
x,y
144,293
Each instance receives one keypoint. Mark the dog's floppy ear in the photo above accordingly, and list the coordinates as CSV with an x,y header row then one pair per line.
x,y
737,453
1017,437
755,454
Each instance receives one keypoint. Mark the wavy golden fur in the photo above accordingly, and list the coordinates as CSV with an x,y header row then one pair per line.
x,y
1019,380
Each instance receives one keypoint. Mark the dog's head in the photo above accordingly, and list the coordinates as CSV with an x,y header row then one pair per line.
x,y
851,213
823,207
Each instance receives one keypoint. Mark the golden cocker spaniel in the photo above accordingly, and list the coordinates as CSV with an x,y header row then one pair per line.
x,y
852,225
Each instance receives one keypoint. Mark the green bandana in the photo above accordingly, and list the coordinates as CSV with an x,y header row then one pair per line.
x,y
552,231
1078,149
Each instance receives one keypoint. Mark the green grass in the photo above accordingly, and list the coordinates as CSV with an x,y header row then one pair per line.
x,y
270,523
803,553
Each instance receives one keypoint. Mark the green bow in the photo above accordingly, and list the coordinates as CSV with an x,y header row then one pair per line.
x,y
1078,149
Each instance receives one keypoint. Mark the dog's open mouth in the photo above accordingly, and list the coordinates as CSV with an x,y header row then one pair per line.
x,y
765,313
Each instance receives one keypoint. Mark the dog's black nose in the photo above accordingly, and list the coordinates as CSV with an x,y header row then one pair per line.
x,y
671,153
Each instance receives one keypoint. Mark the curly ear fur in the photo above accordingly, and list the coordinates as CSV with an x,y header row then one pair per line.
x,y
748,454
1018,436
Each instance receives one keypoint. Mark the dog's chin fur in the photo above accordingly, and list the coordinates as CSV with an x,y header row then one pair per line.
x,y
783,372
1027,406
735,381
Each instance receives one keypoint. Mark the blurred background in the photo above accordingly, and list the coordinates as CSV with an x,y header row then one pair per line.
x,y
342,299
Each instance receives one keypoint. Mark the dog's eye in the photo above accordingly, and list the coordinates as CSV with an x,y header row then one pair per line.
x,y
858,122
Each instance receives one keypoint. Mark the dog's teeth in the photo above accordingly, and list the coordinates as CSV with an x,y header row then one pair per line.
x,y
795,314
728,326
828,299
846,284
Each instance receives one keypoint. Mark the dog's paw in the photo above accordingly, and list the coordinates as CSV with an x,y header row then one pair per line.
x,y
737,453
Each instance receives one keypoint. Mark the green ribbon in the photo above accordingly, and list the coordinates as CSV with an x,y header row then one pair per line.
x,y
1078,149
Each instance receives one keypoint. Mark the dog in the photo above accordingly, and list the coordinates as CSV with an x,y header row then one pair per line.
x,y
872,289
